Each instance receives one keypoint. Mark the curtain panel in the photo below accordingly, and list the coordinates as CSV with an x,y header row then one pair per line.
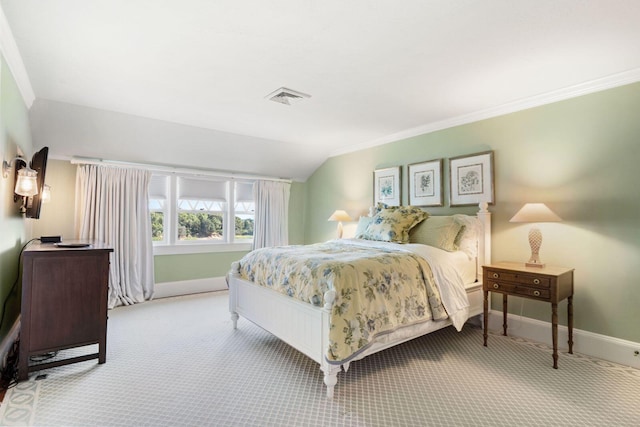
x,y
271,224
112,206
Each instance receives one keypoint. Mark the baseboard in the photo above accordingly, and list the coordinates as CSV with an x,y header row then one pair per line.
x,y
186,287
588,343
7,342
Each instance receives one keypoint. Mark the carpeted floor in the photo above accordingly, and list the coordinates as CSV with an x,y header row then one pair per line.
x,y
178,362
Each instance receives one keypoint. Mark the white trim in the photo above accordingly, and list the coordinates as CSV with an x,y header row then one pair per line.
x,y
588,343
186,287
7,342
609,82
12,55
172,169
194,248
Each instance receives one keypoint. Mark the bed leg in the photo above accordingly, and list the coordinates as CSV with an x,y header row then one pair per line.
x,y
330,378
234,319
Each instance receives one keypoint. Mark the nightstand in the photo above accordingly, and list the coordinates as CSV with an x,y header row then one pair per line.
x,y
549,284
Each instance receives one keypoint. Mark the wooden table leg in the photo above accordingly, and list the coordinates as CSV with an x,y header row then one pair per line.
x,y
570,322
486,315
504,314
554,333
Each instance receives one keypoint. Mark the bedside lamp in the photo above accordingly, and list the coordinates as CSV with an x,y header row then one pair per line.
x,y
535,212
340,216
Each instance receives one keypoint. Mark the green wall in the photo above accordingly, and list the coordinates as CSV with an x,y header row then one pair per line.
x,y
14,133
579,156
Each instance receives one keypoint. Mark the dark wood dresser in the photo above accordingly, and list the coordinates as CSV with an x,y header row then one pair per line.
x,y
64,302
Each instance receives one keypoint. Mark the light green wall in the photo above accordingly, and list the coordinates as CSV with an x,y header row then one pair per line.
x,y
14,133
57,218
580,156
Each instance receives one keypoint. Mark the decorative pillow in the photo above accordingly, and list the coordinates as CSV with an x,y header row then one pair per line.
x,y
467,239
363,223
393,225
437,231
374,210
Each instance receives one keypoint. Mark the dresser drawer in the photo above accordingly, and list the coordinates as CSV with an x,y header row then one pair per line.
x,y
519,278
515,289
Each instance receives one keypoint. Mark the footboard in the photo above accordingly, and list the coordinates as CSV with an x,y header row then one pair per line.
x,y
301,325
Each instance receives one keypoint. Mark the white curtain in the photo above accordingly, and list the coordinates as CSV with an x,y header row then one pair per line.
x,y
112,206
271,226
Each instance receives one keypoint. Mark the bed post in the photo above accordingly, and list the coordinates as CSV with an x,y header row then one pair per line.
x,y
234,273
484,242
330,371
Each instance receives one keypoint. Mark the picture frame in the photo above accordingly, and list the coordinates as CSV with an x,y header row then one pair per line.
x,y
425,183
386,186
471,179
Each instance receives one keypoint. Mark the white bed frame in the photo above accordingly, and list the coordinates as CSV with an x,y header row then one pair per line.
x,y
306,327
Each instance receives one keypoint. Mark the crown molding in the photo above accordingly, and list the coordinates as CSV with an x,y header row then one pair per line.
x,y
609,82
9,50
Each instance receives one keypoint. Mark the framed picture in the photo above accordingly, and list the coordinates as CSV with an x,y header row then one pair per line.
x,y
425,183
471,179
386,186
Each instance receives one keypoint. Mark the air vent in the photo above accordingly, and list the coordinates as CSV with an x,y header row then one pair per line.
x,y
287,96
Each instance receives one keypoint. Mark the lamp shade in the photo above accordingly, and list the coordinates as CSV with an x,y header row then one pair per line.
x,y
26,182
535,212
340,215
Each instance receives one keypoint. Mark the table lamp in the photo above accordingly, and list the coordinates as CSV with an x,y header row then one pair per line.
x,y
535,212
340,216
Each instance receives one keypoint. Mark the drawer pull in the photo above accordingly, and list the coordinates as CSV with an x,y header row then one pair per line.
x,y
536,281
496,275
496,286
536,293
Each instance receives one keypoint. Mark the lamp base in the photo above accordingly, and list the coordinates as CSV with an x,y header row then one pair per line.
x,y
534,264
535,241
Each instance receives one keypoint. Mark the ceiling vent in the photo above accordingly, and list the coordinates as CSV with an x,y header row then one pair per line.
x,y
287,96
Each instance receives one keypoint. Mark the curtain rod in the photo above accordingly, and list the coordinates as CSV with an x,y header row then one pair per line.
x,y
172,169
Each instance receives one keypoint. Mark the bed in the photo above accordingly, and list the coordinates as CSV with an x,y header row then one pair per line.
x,y
313,318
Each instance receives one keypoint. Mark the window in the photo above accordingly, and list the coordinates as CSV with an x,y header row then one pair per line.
x,y
197,214
244,209
158,196
202,209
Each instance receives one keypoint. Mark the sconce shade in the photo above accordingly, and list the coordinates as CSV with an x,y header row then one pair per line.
x,y
535,212
46,194
26,182
340,215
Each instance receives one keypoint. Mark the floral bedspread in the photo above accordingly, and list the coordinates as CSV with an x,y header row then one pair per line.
x,y
378,288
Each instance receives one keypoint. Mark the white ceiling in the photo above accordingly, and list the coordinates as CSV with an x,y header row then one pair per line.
x,y
375,69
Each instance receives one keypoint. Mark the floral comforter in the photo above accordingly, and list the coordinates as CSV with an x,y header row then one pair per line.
x,y
379,287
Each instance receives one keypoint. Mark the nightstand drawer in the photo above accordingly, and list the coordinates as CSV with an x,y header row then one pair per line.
x,y
514,289
525,279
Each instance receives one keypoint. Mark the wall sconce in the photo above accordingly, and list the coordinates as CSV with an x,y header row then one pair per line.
x,y
340,216
535,212
26,183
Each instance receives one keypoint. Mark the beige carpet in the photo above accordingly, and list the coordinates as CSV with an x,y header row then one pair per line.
x,y
178,362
